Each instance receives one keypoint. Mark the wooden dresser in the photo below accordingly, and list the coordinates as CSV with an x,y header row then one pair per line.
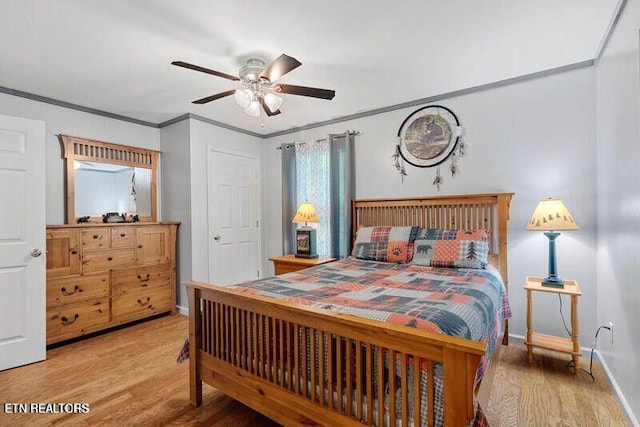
x,y
103,275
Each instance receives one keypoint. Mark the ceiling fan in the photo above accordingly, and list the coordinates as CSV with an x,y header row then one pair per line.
x,y
259,87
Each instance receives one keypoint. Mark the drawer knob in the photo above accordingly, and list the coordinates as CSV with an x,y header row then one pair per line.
x,y
95,236
141,303
110,258
76,288
122,235
66,321
139,246
74,251
145,278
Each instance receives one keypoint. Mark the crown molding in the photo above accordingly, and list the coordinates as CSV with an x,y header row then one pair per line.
x,y
373,112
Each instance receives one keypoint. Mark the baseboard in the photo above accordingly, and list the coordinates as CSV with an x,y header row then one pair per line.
x,y
616,387
183,310
519,339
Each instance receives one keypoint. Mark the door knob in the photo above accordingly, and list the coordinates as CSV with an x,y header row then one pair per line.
x,y
217,238
36,253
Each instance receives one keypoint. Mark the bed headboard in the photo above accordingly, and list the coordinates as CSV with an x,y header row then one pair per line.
x,y
466,211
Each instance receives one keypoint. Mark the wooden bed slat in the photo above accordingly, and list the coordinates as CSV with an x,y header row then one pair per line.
x,y
416,391
339,371
312,359
392,385
369,367
430,394
359,369
380,382
349,377
403,388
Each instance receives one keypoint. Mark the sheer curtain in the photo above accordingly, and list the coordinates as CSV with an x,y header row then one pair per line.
x,y
320,171
312,176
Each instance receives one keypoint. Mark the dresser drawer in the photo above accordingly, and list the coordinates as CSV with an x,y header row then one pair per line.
x,y
96,238
73,319
123,237
63,252
76,288
137,305
105,260
286,268
137,279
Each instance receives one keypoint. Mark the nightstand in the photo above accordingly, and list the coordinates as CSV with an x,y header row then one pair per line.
x,y
289,263
550,342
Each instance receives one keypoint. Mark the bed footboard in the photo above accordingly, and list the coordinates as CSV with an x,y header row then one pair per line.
x,y
300,365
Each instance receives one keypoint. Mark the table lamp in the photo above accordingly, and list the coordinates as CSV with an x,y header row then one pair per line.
x,y
306,236
552,216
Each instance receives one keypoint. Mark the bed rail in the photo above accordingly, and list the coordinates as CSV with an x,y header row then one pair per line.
x,y
305,366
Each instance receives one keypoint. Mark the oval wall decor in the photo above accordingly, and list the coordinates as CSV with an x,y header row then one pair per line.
x,y
428,137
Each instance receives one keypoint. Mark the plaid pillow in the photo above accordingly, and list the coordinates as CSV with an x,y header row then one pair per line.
x,y
451,248
386,244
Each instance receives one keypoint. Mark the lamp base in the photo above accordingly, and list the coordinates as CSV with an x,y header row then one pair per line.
x,y
553,282
306,242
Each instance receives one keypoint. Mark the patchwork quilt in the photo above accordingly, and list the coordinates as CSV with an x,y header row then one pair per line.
x,y
454,301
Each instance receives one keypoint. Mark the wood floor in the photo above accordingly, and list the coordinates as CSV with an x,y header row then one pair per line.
x,y
130,377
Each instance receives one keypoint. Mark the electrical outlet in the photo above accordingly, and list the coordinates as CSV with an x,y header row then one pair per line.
x,y
611,331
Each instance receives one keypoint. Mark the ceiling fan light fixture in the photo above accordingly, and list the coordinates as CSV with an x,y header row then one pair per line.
x,y
242,97
272,101
258,90
253,109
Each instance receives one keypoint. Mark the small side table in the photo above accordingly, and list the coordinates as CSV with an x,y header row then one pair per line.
x,y
289,263
550,342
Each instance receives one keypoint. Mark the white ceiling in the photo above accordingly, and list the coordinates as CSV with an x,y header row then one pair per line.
x,y
115,55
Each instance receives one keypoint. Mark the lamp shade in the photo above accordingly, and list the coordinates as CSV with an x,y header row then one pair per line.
x,y
551,215
242,97
272,101
253,109
306,213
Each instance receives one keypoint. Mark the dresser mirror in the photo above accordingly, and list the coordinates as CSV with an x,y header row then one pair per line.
x,y
105,179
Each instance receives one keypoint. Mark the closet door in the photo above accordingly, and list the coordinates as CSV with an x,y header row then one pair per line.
x,y
234,210
22,242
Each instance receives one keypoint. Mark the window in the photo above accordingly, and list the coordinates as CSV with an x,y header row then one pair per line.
x,y
320,171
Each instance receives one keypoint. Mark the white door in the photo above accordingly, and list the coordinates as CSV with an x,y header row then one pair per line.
x,y
22,242
234,212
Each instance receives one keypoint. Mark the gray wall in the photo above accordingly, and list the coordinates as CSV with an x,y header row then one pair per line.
x,y
618,151
176,195
59,120
536,139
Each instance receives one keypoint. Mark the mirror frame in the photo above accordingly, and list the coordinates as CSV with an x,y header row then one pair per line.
x,y
75,148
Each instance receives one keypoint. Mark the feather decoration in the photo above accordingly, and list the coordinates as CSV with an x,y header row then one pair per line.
x,y
437,181
454,165
398,163
462,147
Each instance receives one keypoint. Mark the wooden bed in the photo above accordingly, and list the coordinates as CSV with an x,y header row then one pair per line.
x,y
250,346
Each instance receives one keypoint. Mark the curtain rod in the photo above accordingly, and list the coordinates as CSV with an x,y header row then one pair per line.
x,y
340,135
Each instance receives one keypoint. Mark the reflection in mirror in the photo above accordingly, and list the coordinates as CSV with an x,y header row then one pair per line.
x,y
105,187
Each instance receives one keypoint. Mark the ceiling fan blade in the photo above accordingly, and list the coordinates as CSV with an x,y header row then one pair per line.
x,y
278,68
266,109
305,91
205,70
214,97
